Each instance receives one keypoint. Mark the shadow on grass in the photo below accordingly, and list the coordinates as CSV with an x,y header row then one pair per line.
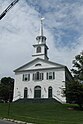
x,y
74,107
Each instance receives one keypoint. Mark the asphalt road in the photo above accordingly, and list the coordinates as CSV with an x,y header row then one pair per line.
x,y
6,122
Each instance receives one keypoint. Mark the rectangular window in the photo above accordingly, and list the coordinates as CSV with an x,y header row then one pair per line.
x,y
50,75
38,76
26,77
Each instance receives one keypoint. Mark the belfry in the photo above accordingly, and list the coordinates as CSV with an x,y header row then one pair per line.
x,y
40,48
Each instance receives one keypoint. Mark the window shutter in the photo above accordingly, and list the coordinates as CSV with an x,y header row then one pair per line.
x,y
47,76
42,76
33,76
53,75
23,77
28,77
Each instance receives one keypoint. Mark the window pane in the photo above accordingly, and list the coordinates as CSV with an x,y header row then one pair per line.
x,y
50,75
25,78
37,75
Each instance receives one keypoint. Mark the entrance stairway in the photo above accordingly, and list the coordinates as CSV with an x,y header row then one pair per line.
x,y
37,100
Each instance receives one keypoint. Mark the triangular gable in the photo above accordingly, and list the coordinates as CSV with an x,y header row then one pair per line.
x,y
39,64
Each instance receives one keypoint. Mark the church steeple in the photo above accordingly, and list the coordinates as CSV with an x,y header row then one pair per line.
x,y
41,38
41,47
41,26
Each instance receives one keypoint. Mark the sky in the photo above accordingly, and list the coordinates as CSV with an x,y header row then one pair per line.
x,y
63,27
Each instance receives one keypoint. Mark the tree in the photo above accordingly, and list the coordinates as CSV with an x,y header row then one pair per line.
x,y
78,67
6,88
74,90
74,93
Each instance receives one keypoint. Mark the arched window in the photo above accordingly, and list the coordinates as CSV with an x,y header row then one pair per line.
x,y
38,64
25,92
50,92
37,92
38,49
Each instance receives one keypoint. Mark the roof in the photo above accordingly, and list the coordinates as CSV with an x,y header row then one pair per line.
x,y
39,59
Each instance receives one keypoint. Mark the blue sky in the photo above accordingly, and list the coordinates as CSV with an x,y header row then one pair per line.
x,y
63,27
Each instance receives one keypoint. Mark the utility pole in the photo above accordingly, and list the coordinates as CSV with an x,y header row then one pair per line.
x,y
8,8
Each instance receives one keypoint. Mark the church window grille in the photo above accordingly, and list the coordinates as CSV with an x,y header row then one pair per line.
x,y
50,75
26,77
38,49
38,76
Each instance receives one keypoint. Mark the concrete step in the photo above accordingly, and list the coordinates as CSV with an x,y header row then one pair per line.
x,y
37,100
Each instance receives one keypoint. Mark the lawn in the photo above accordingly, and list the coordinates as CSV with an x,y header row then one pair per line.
x,y
42,113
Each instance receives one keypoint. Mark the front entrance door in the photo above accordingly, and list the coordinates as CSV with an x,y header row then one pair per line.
x,y
37,92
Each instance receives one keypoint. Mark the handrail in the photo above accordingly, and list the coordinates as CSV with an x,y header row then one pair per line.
x,y
58,99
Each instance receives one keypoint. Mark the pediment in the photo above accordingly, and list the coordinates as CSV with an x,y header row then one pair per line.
x,y
39,64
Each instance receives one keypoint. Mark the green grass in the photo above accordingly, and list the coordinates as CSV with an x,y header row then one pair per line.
x,y
44,113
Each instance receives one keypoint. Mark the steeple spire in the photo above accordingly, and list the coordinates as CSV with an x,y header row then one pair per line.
x,y
40,47
41,27
41,39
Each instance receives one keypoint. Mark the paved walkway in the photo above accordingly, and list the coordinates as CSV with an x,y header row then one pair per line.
x,y
6,122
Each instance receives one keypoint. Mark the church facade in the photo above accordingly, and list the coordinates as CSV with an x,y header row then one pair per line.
x,y
41,78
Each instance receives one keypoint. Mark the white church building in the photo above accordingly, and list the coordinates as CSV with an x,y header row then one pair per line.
x,y
41,78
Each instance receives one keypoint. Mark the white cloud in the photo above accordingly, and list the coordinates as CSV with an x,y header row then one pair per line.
x,y
19,28
16,39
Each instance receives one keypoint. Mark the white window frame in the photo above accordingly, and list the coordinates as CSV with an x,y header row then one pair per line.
x,y
40,74
26,77
50,75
